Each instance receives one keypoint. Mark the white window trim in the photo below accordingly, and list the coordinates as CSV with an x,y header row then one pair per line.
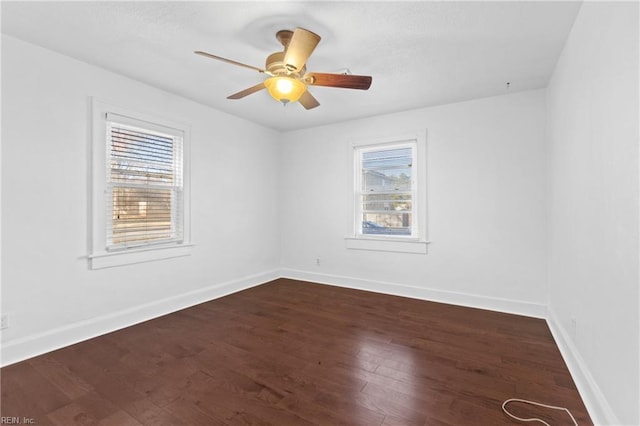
x,y
99,256
416,244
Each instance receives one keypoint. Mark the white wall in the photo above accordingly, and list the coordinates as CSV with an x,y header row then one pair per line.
x,y
47,289
486,205
593,208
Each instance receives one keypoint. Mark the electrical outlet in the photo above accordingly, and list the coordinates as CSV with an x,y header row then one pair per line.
x,y
317,261
4,321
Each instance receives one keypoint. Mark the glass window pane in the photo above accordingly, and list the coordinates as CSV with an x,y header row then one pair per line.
x,y
141,157
387,170
141,214
387,158
386,223
386,202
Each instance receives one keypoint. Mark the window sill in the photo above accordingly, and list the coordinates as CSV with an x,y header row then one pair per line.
x,y
138,255
396,245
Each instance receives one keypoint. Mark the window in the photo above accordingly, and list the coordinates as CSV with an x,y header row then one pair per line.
x,y
385,190
388,195
140,202
144,184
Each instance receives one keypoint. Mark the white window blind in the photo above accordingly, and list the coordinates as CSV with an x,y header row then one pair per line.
x,y
385,190
144,188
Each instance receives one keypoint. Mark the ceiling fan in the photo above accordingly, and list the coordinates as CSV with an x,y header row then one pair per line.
x,y
287,71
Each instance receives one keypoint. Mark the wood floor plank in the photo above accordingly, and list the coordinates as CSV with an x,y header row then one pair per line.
x,y
295,353
156,416
71,415
23,385
13,392
120,418
57,373
351,409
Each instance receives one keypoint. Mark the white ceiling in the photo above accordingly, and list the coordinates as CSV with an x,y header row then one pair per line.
x,y
419,53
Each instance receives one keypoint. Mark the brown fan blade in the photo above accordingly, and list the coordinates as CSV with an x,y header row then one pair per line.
x,y
347,81
308,101
300,48
229,61
241,94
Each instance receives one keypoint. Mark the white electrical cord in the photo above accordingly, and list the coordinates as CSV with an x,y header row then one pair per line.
x,y
534,419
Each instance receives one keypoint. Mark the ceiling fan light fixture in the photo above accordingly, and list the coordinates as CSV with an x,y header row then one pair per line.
x,y
287,71
285,89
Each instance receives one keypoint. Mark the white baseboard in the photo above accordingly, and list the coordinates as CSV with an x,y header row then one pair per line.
x,y
593,398
461,299
30,346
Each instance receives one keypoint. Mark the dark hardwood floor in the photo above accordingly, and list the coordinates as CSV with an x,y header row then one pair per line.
x,y
295,353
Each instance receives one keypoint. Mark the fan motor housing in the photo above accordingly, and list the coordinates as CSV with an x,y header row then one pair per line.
x,y
275,65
